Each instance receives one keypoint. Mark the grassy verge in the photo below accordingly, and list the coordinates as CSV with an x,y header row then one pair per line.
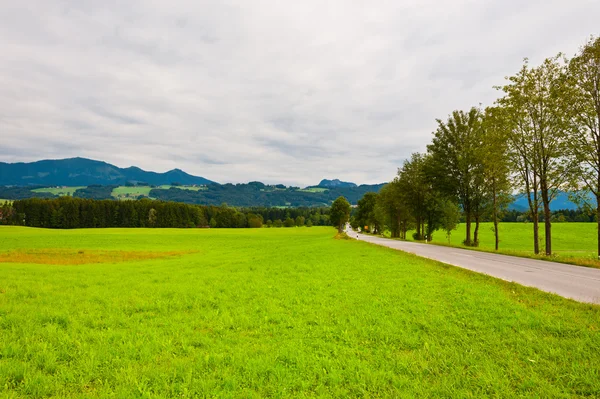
x,y
572,243
276,312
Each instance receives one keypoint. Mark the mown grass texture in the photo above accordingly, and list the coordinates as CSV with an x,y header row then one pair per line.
x,y
280,313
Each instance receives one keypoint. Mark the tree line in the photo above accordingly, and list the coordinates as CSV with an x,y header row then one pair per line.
x,y
542,136
70,213
239,195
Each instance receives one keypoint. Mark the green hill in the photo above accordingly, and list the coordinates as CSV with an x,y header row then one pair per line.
x,y
85,172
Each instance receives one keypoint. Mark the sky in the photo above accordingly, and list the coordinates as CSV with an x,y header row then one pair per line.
x,y
276,91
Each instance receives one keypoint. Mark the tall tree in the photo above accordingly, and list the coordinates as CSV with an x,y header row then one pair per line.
x,y
456,165
392,210
414,185
584,79
496,166
536,104
340,213
450,217
365,215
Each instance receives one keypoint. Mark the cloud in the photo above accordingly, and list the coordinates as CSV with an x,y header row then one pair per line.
x,y
284,92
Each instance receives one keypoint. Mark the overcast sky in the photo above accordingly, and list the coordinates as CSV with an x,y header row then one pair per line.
x,y
278,91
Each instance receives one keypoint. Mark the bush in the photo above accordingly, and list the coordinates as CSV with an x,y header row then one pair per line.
x,y
418,237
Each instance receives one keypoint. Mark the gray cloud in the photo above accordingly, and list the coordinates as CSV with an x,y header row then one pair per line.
x,y
285,92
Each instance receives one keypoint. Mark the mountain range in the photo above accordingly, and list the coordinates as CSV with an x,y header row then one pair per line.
x,y
85,172
88,172
335,183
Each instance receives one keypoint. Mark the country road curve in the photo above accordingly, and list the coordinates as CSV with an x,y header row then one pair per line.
x,y
575,282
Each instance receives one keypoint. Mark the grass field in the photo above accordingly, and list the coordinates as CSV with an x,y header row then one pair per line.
x,y
571,242
313,190
61,191
124,192
5,201
274,313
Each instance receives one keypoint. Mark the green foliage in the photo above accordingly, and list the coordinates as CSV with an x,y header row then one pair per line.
x,y
67,212
289,222
279,313
15,193
419,197
392,209
340,213
584,142
254,194
450,218
457,165
254,221
584,113
257,194
366,215
536,105
95,191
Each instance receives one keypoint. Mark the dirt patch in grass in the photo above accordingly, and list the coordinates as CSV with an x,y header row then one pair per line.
x,y
81,257
342,236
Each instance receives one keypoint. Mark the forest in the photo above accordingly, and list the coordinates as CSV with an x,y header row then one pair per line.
x,y
71,213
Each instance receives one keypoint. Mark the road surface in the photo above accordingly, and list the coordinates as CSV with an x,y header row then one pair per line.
x,y
575,282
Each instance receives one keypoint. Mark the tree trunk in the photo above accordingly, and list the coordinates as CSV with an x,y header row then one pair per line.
x,y
547,217
534,208
536,234
476,233
418,228
468,222
495,216
497,239
598,220
548,229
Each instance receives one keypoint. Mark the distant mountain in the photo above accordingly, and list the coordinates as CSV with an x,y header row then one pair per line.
x,y
335,183
85,172
259,194
561,201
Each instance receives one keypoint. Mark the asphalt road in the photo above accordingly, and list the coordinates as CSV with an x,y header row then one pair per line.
x,y
575,282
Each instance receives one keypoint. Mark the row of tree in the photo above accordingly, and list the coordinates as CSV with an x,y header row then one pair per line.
x,y
542,136
69,213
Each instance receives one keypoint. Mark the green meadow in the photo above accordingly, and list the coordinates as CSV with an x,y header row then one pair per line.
x,y
149,313
571,242
313,190
126,192
121,192
60,191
